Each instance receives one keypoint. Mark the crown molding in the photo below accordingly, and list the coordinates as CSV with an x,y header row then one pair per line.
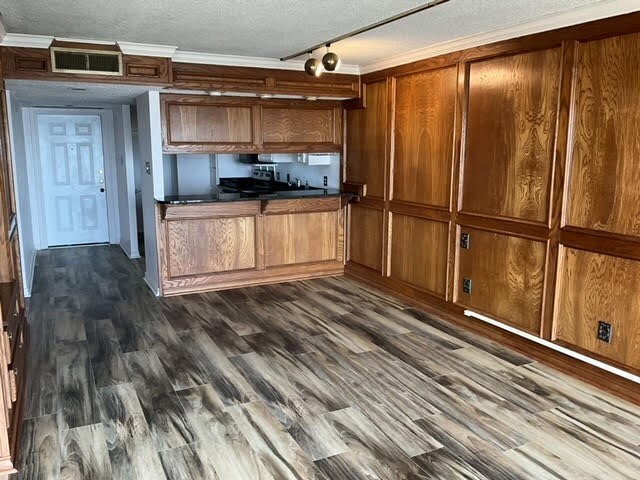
x,y
147,49
255,62
27,41
84,40
603,9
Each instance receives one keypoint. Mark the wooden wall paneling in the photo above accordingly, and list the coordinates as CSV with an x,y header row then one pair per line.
x,y
388,175
366,147
507,275
603,188
146,69
425,109
196,247
365,240
300,238
510,133
562,140
593,287
419,252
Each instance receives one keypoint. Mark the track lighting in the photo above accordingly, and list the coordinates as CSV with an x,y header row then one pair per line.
x,y
313,66
330,61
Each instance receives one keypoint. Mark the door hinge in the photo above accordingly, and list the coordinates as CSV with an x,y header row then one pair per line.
x,y
465,241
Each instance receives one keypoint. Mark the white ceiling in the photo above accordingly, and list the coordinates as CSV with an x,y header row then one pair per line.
x,y
77,94
275,28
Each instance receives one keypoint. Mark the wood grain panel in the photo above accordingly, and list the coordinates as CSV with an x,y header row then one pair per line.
x,y
507,275
510,135
298,125
209,124
424,124
300,238
301,205
365,237
419,252
366,140
604,192
594,287
211,245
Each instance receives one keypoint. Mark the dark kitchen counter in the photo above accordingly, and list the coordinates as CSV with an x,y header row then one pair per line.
x,y
219,196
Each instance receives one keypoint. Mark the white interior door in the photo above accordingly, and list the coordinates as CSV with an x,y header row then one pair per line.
x,y
72,166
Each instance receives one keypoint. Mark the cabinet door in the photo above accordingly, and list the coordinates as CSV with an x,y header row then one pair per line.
x,y
424,124
208,124
365,241
511,122
301,125
210,245
593,288
604,188
366,140
506,275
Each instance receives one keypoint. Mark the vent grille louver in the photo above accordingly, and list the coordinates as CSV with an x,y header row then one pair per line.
x,y
95,62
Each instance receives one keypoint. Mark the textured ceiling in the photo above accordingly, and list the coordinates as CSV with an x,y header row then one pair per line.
x,y
273,28
38,93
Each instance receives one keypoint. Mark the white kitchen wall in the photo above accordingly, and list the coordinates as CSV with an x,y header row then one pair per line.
x,y
194,174
126,180
170,171
229,166
150,149
21,181
312,173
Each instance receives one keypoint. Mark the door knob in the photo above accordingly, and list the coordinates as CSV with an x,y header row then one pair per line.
x,y
102,189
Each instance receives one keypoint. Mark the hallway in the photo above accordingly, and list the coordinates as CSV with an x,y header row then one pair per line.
x,y
320,379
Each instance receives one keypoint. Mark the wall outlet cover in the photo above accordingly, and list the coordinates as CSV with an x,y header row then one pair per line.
x,y
605,331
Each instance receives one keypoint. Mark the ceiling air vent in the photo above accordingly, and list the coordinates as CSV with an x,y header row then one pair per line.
x,y
94,62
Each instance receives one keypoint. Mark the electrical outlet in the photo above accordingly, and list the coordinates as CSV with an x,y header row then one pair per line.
x,y
465,241
605,330
325,180
466,285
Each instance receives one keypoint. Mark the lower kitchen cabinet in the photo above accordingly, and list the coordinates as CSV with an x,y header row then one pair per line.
x,y
214,246
593,289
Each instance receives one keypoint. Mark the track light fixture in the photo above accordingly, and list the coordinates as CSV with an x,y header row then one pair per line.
x,y
330,61
313,66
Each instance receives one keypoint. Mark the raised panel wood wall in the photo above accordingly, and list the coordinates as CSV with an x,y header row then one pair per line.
x,y
507,277
211,245
510,135
604,188
419,252
209,124
365,239
592,288
425,110
367,140
301,238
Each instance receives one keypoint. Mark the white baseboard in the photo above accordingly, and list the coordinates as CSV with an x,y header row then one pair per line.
x,y
155,290
557,348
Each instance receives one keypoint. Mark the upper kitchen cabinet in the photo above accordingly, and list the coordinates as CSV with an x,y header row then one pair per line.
x,y
367,140
510,135
425,110
195,123
603,192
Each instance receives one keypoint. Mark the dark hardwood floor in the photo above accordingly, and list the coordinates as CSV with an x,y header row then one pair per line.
x,y
322,379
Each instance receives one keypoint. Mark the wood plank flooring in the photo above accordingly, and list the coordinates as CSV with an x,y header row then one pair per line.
x,y
322,379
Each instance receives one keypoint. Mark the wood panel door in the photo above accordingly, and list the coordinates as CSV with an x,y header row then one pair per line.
x,y
593,288
425,109
506,275
604,181
300,238
419,249
367,140
303,126
365,236
208,124
510,134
